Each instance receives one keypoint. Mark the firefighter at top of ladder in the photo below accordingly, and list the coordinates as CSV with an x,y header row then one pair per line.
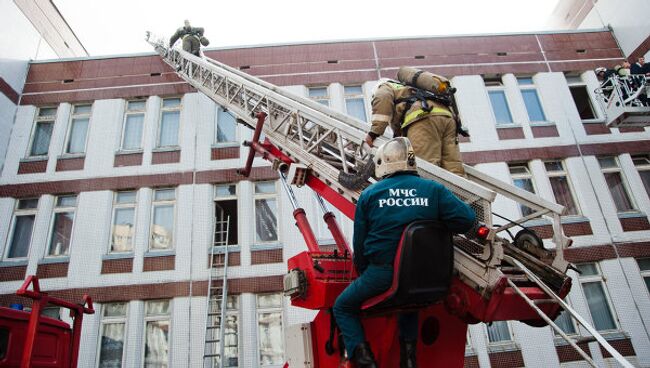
x,y
420,107
192,38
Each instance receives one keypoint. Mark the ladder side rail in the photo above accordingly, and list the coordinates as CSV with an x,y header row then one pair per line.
x,y
224,298
550,322
615,354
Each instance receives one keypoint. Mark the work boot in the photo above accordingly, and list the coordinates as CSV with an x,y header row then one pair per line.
x,y
407,354
362,357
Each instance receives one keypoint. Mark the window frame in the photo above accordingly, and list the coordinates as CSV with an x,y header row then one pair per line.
x,y
166,202
56,210
357,96
318,99
645,274
532,87
40,119
217,198
116,206
128,112
565,173
595,106
642,168
624,182
259,311
502,342
529,175
154,318
215,141
68,134
161,112
500,89
20,212
275,195
103,320
600,279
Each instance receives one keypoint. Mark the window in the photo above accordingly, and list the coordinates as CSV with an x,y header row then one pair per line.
x,y
269,333
561,187
42,134
565,323
170,118
231,334
78,131
133,125
615,183
21,234
642,163
112,334
354,102
225,215
266,209
226,127
319,94
583,102
500,107
522,178
498,332
157,324
644,266
597,301
62,222
162,219
531,99
123,227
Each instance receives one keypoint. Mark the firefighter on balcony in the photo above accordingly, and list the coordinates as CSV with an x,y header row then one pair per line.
x,y
192,38
383,211
422,108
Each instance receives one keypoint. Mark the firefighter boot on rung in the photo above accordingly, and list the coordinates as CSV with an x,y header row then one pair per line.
x,y
407,354
362,357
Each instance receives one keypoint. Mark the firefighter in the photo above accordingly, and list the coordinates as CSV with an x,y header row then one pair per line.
x,y
432,129
192,38
381,215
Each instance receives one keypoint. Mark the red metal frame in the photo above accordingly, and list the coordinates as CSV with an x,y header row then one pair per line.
x,y
42,299
327,274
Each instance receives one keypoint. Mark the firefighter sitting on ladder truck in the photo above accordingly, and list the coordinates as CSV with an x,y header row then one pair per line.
x,y
420,106
383,211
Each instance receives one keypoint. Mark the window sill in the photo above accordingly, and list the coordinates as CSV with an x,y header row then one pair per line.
x,y
542,123
594,121
34,159
166,149
13,263
499,347
631,214
573,219
128,152
67,156
110,256
221,249
225,145
507,126
54,259
266,246
159,253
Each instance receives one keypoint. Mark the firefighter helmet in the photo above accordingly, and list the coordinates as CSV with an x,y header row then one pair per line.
x,y
393,156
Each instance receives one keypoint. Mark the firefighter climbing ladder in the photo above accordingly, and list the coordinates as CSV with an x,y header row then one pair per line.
x,y
324,142
213,353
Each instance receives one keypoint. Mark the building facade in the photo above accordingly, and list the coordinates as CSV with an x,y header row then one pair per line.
x,y
118,175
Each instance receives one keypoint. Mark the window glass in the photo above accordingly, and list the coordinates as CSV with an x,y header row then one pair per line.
x,y
132,138
533,105
561,186
112,332
231,331
61,233
607,162
319,94
354,102
157,325
226,127
164,194
563,321
644,264
225,190
136,105
82,109
598,306
47,112
522,178
162,227
41,139
619,192
500,107
525,81
123,230
78,132
265,188
169,123
126,197
22,236
642,164
587,269
171,102
498,332
28,203
270,335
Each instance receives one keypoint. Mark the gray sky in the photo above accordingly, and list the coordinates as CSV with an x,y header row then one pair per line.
x,y
118,26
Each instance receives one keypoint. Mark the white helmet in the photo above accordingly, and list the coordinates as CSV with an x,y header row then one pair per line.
x,y
393,156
